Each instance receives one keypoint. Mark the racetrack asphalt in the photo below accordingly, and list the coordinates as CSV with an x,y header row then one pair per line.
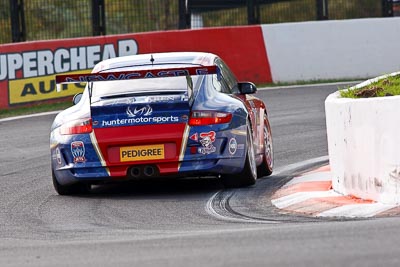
x,y
311,193
185,222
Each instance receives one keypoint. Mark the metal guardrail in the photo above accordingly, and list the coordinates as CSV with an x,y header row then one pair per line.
x,y
42,20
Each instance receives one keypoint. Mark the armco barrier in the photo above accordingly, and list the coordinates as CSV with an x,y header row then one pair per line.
x,y
363,146
27,69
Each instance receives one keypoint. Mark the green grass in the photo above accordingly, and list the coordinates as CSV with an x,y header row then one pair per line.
x,y
44,107
309,82
388,86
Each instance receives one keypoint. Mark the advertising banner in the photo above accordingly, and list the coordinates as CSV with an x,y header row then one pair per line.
x,y
27,70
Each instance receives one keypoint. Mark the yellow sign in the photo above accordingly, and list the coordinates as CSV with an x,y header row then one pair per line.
x,y
41,88
135,153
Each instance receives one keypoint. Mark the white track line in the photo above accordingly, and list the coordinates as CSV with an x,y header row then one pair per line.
x,y
357,210
298,165
312,177
30,116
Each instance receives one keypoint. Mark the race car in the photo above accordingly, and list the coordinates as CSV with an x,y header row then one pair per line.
x,y
180,114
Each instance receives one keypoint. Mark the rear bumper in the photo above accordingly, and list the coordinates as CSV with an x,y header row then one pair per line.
x,y
207,151
198,168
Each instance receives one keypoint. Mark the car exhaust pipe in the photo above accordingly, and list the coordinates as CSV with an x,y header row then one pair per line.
x,y
135,172
149,171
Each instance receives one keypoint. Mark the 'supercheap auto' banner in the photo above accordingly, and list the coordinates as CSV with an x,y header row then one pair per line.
x,y
27,70
29,75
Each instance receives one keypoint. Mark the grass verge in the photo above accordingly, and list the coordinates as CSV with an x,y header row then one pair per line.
x,y
310,82
44,107
387,86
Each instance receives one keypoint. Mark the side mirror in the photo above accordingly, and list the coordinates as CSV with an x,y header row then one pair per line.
x,y
77,98
247,88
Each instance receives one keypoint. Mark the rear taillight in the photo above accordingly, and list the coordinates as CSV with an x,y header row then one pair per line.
x,y
198,118
81,126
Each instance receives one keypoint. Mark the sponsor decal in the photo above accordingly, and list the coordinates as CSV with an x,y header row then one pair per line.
x,y
152,99
135,153
140,115
40,88
232,146
139,74
58,156
194,137
30,74
143,111
160,98
210,135
184,117
140,120
78,151
125,101
207,140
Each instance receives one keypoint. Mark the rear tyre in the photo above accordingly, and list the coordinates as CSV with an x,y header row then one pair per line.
x,y
73,189
266,167
249,174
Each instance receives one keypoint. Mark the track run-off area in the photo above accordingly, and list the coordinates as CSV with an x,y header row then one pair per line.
x,y
194,222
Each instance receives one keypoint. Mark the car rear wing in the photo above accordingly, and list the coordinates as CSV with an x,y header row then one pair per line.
x,y
134,74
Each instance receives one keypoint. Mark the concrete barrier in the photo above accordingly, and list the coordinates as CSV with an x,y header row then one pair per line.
x,y
334,49
363,148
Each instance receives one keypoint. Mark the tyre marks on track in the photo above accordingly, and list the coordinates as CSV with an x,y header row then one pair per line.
x,y
220,204
219,207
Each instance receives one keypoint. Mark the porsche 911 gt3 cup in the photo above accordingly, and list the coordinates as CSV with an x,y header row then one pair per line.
x,y
160,115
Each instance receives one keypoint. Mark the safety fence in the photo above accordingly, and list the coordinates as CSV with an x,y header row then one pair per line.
x,y
57,19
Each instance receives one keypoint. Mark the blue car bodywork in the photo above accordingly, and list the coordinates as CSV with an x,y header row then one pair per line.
x,y
151,116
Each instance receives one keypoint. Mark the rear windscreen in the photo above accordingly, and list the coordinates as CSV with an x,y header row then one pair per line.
x,y
152,85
